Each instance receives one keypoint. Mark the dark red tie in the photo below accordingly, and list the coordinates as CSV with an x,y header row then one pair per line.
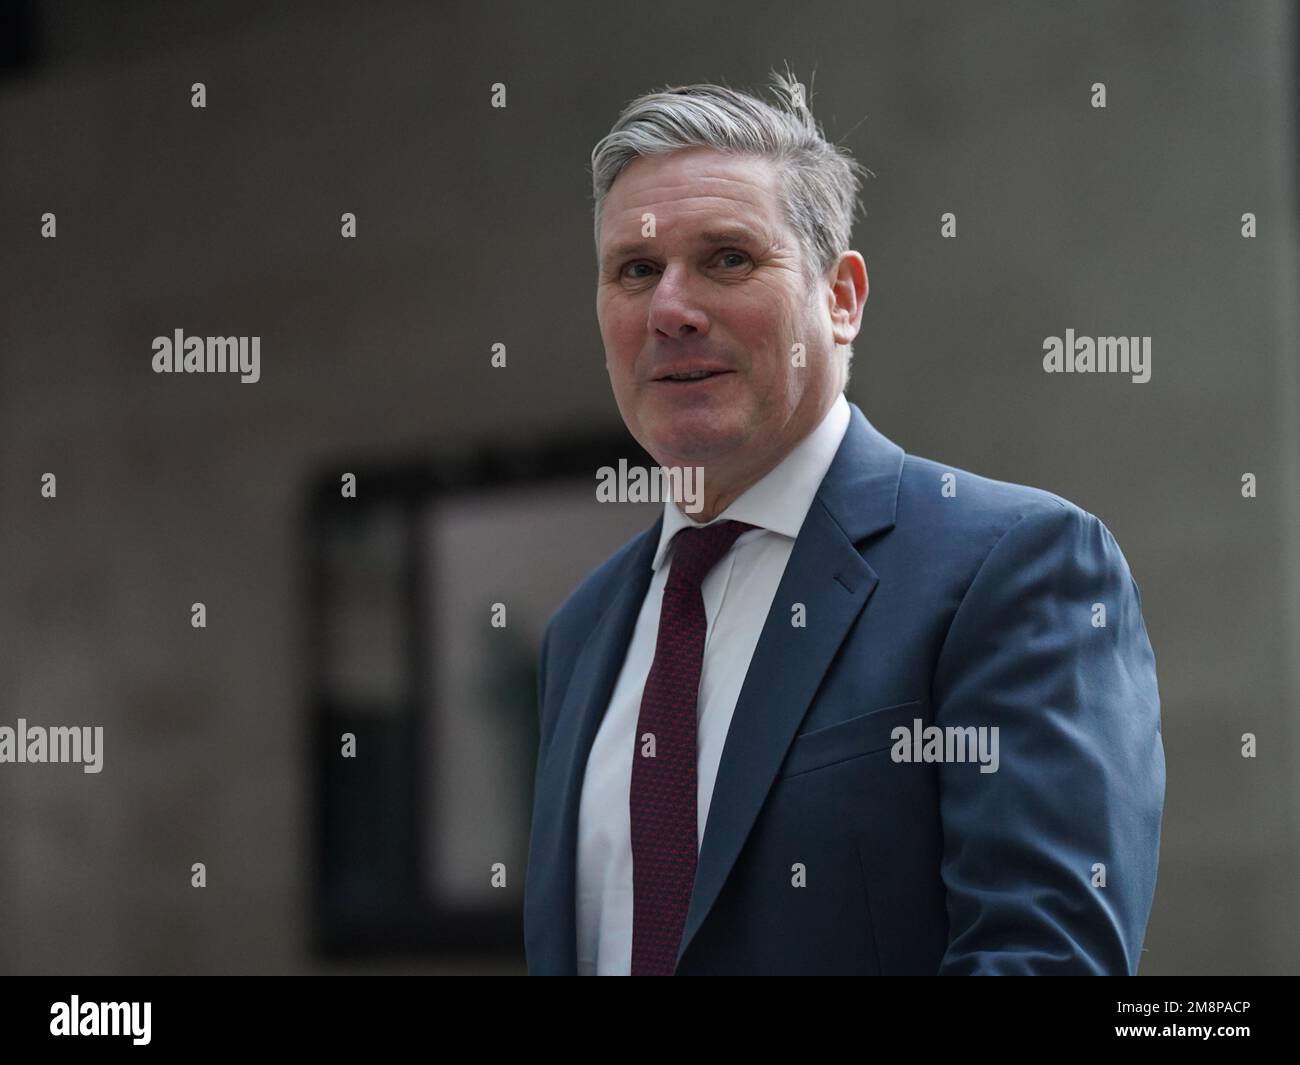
x,y
664,787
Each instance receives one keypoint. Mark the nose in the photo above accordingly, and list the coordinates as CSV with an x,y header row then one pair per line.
x,y
675,312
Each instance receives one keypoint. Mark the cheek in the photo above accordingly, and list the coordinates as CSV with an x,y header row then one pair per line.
x,y
620,338
622,351
770,335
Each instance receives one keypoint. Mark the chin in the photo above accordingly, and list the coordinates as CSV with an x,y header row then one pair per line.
x,y
693,439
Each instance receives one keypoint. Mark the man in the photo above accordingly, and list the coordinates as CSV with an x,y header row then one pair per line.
x,y
862,712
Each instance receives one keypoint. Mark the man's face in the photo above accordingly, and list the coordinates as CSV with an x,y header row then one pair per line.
x,y
720,287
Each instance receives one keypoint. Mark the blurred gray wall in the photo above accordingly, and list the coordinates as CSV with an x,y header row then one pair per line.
x,y
474,227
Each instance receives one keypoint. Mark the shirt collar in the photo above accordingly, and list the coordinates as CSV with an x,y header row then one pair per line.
x,y
779,501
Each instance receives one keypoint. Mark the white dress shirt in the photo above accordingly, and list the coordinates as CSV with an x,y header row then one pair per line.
x,y
737,594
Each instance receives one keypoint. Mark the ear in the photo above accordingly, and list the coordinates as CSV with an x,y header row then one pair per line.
x,y
846,296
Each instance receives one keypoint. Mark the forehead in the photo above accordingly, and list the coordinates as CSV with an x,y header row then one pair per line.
x,y
694,188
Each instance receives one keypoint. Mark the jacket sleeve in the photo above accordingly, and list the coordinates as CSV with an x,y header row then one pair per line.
x,y
1049,862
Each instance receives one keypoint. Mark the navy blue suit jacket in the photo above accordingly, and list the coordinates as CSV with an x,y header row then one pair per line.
x,y
974,607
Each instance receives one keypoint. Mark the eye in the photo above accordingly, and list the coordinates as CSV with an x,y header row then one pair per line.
x,y
721,258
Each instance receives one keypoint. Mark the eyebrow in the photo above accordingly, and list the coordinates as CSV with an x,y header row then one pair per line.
x,y
710,237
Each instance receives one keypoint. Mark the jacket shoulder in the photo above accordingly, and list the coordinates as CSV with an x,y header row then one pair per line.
x,y
941,497
961,515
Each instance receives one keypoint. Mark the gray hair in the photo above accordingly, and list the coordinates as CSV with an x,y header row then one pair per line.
x,y
818,181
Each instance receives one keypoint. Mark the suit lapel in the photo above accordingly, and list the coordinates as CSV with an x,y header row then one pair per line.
x,y
857,498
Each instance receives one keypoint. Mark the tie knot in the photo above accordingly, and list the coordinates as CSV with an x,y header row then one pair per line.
x,y
696,551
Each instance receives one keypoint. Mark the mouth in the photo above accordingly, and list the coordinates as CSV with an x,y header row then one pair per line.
x,y
692,377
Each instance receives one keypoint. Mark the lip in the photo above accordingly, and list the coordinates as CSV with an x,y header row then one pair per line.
x,y
668,371
698,384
